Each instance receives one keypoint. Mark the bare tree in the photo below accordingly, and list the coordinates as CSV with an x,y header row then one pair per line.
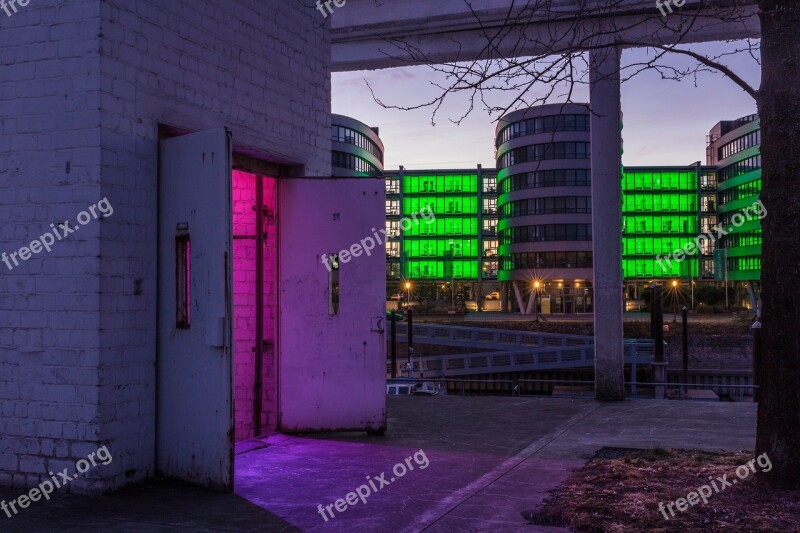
x,y
540,44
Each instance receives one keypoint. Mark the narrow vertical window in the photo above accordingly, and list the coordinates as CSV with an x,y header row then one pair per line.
x,y
183,277
333,285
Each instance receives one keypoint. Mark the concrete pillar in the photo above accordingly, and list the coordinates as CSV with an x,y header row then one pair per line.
x,y
481,258
531,303
520,298
504,297
606,149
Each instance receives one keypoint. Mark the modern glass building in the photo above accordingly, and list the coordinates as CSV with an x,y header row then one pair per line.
x,y
545,227
356,149
734,148
460,245
525,228
664,209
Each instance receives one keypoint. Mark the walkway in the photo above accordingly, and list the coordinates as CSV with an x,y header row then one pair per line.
x,y
487,460
490,459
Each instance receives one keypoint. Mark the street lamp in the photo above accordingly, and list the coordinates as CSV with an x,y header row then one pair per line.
x,y
675,301
408,293
535,294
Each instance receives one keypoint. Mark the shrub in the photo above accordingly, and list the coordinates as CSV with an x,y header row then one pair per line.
x,y
711,295
703,309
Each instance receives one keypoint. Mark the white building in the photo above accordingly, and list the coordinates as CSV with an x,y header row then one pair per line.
x,y
173,111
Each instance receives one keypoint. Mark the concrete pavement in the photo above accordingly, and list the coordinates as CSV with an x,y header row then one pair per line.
x,y
469,464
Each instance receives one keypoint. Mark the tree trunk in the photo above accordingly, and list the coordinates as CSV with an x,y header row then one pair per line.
x,y
779,107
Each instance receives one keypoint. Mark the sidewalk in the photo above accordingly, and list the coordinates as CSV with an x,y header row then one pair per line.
x,y
490,460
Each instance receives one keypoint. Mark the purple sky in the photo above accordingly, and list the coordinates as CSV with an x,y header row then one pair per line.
x,y
666,122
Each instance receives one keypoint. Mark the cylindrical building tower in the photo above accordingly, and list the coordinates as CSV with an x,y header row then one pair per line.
x,y
734,147
356,149
545,208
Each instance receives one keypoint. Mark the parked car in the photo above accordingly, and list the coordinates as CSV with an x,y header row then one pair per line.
x,y
429,388
404,387
493,295
400,389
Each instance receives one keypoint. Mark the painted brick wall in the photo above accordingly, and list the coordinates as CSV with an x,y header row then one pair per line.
x,y
244,303
49,304
260,68
77,326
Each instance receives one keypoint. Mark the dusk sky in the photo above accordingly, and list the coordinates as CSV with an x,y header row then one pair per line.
x,y
666,122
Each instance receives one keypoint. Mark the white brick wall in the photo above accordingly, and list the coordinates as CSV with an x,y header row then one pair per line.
x,y
77,346
49,172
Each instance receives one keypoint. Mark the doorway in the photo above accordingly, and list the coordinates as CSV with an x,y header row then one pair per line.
x,y
255,264
247,342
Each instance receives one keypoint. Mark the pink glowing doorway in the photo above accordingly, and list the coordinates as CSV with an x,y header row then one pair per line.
x,y
255,260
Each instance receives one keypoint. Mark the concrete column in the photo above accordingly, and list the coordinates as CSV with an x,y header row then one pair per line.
x,y
479,297
606,149
504,296
531,303
520,298
403,256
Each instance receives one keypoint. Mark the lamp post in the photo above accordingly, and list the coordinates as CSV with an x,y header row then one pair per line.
x,y
675,301
535,295
408,293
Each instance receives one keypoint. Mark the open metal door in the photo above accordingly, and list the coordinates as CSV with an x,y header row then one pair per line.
x,y
332,342
194,390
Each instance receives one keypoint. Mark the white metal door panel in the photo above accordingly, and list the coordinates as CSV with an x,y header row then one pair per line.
x,y
332,367
194,390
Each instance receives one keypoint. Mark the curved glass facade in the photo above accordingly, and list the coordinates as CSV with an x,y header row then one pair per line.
x,y
560,177
548,124
547,206
356,149
355,163
544,152
343,134
544,201
734,146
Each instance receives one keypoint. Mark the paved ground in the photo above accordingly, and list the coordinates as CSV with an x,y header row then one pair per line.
x,y
478,464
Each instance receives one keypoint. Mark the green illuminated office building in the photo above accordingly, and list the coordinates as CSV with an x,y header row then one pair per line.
x,y
664,209
459,246
734,147
500,231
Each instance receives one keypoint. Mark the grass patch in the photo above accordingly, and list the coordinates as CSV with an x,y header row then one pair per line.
x,y
620,490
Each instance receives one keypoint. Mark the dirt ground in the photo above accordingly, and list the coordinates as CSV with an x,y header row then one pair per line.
x,y
621,491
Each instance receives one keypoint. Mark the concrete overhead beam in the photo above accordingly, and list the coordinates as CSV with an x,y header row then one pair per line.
x,y
372,34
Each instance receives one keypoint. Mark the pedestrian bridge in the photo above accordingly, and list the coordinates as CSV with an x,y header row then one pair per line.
x,y
510,350
369,34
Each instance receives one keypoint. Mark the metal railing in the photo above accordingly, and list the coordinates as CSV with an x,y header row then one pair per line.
x,y
488,338
469,387
576,388
637,352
